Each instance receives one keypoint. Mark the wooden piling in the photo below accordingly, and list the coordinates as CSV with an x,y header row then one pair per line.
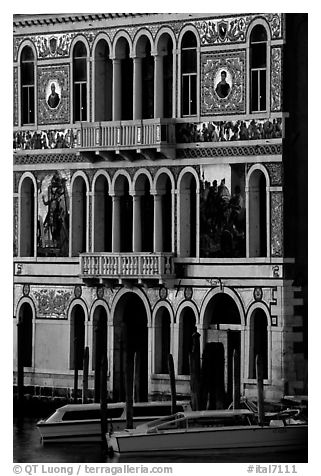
x,y
103,400
97,383
85,375
20,369
75,369
195,371
171,372
129,382
260,392
236,380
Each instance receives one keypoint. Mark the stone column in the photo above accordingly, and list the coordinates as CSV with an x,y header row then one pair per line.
x,y
116,224
137,88
158,223
158,87
137,224
116,89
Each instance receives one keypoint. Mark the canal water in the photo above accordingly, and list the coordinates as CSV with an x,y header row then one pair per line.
x,y
27,448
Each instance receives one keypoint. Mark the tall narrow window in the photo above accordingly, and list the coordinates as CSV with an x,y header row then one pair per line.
x,y
27,86
103,82
189,74
258,53
80,82
259,342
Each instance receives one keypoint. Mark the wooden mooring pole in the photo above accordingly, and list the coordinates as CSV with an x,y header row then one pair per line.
x,y
260,392
85,375
171,373
195,371
236,380
20,370
103,399
75,369
129,380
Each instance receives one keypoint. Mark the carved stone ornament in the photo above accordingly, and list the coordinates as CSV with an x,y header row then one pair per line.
x,y
276,224
26,289
188,293
100,292
53,94
163,292
258,294
276,79
77,291
52,303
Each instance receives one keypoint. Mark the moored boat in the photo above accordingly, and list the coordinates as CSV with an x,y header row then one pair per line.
x,y
210,430
81,423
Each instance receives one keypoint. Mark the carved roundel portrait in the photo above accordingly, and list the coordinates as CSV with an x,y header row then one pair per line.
x,y
53,94
222,83
258,294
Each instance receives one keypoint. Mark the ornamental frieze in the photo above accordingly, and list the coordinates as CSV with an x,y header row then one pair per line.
x,y
45,139
15,96
234,29
276,78
51,303
276,224
223,82
275,170
230,151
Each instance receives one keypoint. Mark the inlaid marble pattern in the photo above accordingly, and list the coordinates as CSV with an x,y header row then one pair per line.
x,y
276,224
51,303
276,79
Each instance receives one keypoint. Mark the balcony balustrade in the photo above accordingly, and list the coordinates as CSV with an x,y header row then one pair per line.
x,y
140,266
147,133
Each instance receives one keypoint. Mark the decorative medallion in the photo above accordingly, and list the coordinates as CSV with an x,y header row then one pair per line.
x,y
223,83
26,289
163,292
188,293
100,292
258,294
53,94
78,291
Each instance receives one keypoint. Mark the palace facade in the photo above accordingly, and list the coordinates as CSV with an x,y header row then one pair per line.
x,y
160,184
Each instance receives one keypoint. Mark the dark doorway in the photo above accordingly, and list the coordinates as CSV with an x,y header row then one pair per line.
x,y
212,377
25,336
233,343
130,342
99,345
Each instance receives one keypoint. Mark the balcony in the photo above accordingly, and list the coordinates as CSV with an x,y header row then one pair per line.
x,y
121,267
149,138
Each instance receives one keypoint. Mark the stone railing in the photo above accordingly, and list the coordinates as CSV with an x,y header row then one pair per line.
x,y
127,265
126,134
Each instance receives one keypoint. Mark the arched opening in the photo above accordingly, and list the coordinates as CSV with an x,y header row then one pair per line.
x,y
189,74
166,45
27,217
79,216
103,82
164,213
258,65
27,86
80,82
130,347
25,336
187,324
162,340
222,322
102,215
258,342
124,93
99,345
122,216
147,77
187,195
143,215
77,337
257,214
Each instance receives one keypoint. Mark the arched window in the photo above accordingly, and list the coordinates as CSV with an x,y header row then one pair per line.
x,y
25,335
163,212
26,219
77,337
103,215
103,82
189,75
187,194
162,340
27,86
258,64
79,216
258,342
148,83
257,214
186,329
80,82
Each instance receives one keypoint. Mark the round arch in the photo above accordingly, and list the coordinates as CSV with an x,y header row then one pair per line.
x,y
80,302
252,169
253,24
183,305
23,44
102,36
231,293
119,173
140,172
82,39
97,175
125,35
143,32
140,294
25,300
77,174
99,302
163,31
161,171
184,172
193,29
258,305
166,305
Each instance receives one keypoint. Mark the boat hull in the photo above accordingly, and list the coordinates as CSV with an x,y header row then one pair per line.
x,y
220,439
